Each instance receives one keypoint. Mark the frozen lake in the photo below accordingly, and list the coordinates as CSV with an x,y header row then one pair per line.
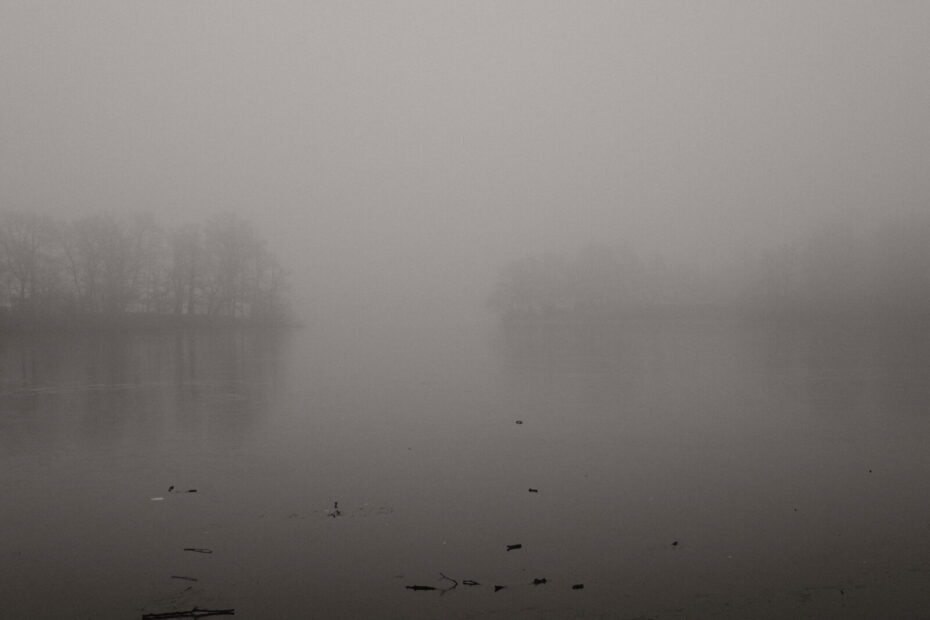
x,y
684,470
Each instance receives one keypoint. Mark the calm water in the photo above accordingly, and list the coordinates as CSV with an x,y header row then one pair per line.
x,y
790,464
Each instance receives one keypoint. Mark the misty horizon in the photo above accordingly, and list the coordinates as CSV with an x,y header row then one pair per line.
x,y
397,155
464,309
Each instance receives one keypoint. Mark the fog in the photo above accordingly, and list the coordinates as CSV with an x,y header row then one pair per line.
x,y
397,155
467,198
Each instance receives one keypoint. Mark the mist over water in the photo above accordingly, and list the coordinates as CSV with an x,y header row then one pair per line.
x,y
398,156
685,245
786,464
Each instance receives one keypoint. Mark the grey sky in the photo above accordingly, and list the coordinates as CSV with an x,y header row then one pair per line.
x,y
400,151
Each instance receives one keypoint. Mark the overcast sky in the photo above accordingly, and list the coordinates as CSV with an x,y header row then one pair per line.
x,y
398,152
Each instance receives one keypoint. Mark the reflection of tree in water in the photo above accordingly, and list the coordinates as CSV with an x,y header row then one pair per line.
x,y
565,364
228,376
825,368
100,385
844,367
564,346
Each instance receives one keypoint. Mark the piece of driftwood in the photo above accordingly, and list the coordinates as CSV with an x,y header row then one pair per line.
x,y
171,490
196,612
442,591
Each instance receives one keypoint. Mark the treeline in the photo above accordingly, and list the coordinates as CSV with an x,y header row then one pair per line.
x,y
855,267
598,282
115,266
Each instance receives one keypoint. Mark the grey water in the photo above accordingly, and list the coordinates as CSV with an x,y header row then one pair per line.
x,y
684,469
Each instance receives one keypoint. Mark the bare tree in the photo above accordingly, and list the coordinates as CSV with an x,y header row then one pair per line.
x,y
110,264
185,269
26,241
232,246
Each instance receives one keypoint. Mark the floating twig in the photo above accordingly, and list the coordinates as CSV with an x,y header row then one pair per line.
x,y
196,612
184,578
171,490
441,590
198,549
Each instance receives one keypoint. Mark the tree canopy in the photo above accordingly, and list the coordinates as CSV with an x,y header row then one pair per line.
x,y
106,264
869,267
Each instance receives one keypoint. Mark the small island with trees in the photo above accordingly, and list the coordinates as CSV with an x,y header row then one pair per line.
x,y
116,271
871,267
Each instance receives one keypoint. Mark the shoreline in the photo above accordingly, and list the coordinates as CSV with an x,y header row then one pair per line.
x,y
138,322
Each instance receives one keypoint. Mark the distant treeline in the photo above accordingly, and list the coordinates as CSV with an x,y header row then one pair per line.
x,y
598,282
107,267
853,268
857,267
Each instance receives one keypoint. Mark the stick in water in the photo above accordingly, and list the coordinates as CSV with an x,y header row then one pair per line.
x,y
196,612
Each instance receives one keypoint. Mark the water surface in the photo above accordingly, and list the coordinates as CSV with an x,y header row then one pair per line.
x,y
788,463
